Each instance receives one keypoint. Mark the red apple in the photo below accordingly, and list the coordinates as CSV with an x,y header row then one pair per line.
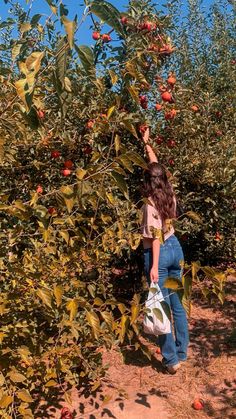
x,y
106,37
171,80
66,172
194,108
159,140
88,149
65,413
171,143
171,162
124,20
55,154
170,114
41,114
39,189
68,164
166,49
96,36
166,96
198,404
90,124
143,128
219,133
158,106
218,236
219,114
52,210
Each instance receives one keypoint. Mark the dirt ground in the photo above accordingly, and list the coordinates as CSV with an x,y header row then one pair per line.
x,y
136,388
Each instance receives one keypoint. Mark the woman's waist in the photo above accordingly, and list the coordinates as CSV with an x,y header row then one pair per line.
x,y
170,241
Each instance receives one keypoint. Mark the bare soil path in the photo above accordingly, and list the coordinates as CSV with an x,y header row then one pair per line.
x,y
136,388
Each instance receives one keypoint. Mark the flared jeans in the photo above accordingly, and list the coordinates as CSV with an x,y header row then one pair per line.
x,y
173,345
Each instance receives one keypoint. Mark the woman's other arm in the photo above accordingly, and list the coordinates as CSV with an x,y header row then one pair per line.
x,y
155,260
149,150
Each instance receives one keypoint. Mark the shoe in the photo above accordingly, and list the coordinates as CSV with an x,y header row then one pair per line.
x,y
172,369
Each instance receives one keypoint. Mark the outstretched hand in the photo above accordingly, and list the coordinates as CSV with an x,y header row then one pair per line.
x,y
145,131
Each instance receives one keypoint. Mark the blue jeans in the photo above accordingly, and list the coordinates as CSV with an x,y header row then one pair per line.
x,y
173,349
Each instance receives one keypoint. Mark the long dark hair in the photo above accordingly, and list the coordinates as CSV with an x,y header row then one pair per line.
x,y
157,187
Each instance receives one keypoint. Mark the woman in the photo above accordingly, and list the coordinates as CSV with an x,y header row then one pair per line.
x,y
163,255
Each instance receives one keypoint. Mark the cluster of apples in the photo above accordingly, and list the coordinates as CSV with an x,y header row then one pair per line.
x,y
158,43
106,37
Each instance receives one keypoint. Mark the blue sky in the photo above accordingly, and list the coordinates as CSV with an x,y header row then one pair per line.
x,y
76,7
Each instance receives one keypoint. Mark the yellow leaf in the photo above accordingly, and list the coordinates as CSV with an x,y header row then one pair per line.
x,y
65,235
110,111
72,307
114,77
117,143
58,292
54,9
45,295
5,401
69,26
123,327
172,283
110,198
24,27
33,62
17,377
25,396
195,268
134,93
15,51
194,216
51,383
80,173
130,127
93,320
134,313
2,379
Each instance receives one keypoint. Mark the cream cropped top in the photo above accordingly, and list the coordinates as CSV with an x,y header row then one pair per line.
x,y
152,226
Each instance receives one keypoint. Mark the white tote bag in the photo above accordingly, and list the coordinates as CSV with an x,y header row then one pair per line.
x,y
156,321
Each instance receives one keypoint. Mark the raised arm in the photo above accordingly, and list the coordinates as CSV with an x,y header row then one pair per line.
x,y
149,150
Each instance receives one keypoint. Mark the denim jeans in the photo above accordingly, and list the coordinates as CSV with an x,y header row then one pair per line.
x,y
173,348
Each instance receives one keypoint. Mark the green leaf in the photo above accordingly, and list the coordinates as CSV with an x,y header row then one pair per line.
x,y
130,127
45,295
125,162
25,396
121,183
69,26
108,14
137,159
166,309
158,314
86,57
